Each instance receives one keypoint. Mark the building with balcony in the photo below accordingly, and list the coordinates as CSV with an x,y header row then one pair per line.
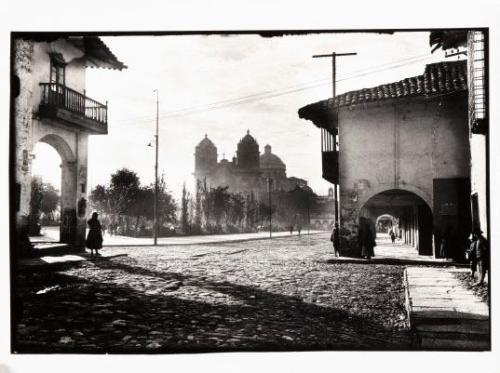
x,y
404,152
50,105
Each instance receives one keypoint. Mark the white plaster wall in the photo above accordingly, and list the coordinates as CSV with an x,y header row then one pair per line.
x,y
75,68
400,144
403,145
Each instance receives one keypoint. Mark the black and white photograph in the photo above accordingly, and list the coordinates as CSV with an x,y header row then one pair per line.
x,y
276,190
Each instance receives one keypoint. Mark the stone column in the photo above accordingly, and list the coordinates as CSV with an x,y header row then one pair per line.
x,y
81,190
68,202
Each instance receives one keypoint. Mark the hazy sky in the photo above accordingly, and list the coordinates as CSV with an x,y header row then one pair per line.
x,y
223,86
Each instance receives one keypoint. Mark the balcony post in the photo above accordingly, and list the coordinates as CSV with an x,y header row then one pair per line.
x,y
84,102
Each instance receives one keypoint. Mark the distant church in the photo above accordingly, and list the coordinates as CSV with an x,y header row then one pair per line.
x,y
249,171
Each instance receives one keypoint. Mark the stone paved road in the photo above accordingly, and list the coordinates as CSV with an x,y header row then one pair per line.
x,y
258,295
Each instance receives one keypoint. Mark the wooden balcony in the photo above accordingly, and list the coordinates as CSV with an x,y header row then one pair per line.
x,y
330,166
66,105
329,156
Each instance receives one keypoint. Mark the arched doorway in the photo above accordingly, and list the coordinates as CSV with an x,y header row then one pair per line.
x,y
45,206
385,223
64,166
412,214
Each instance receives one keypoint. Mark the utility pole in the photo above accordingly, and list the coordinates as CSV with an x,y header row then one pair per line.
x,y
155,209
334,56
270,210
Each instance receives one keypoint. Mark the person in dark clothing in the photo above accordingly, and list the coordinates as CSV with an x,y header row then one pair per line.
x,y
393,235
478,255
447,244
366,238
94,238
335,238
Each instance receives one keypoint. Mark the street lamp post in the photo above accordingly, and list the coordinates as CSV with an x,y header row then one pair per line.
x,y
155,208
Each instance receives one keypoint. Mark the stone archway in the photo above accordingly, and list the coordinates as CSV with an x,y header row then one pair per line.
x,y
384,222
413,213
68,226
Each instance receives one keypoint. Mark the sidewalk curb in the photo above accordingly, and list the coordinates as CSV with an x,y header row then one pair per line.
x,y
212,242
38,263
447,316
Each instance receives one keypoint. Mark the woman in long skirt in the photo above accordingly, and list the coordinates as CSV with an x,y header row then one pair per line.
x,y
94,238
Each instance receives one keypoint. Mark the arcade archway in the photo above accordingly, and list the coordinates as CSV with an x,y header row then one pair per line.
x,y
411,214
64,166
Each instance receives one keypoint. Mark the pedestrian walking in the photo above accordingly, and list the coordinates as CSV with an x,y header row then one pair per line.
x,y
299,228
291,229
335,238
393,235
478,255
366,238
94,238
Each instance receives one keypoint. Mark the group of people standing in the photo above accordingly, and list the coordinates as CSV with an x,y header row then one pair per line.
x,y
477,254
299,229
366,238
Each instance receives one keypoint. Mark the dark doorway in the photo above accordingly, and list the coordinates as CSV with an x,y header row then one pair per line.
x,y
452,213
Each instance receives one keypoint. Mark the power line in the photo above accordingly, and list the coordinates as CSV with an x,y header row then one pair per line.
x,y
280,92
274,93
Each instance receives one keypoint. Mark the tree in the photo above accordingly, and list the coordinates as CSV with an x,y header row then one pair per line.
x,y
184,210
197,207
124,191
301,202
237,208
220,198
167,207
251,211
35,206
265,211
100,198
125,197
206,203
50,200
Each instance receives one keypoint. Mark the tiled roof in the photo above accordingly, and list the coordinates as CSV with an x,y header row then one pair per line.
x,y
98,54
438,79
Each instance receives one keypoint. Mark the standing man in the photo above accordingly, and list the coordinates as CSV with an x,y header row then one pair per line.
x,y
478,254
366,237
393,235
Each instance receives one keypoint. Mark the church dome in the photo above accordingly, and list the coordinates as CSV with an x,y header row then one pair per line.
x,y
206,143
248,140
268,160
248,152
205,155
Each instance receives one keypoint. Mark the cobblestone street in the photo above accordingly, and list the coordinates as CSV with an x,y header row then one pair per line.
x,y
282,294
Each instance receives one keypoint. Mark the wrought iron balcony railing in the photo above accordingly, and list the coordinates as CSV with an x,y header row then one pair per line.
x,y
61,97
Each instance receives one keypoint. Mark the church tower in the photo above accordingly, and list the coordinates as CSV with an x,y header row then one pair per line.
x,y
205,159
248,154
